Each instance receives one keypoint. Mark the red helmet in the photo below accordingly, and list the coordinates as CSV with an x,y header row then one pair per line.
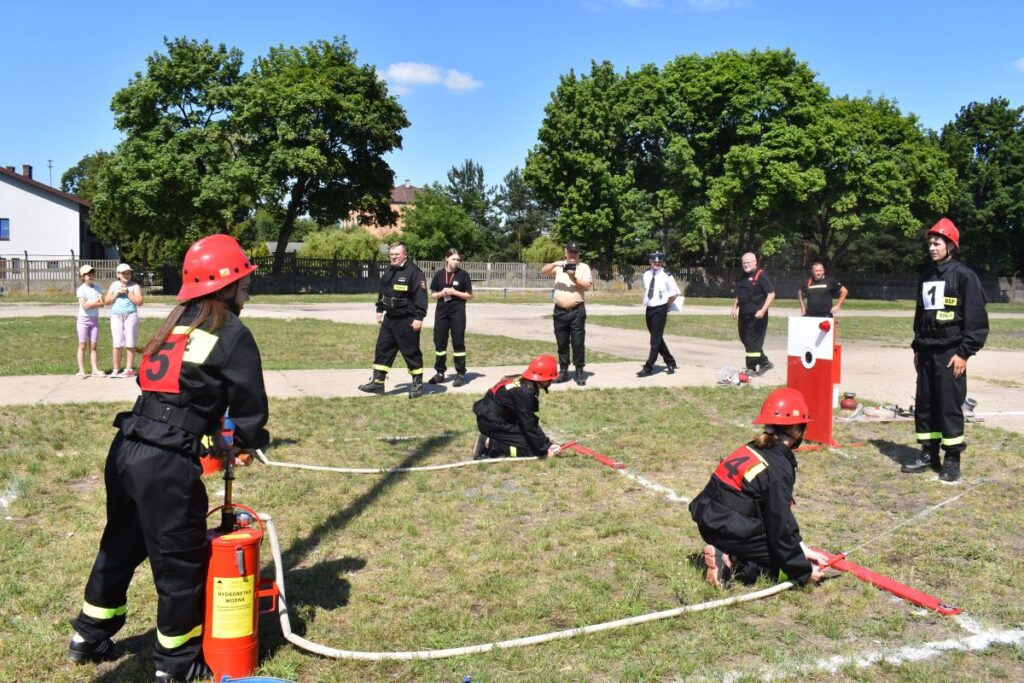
x,y
946,228
783,407
541,369
211,264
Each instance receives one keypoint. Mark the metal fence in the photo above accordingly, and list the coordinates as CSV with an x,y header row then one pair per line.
x,y
43,274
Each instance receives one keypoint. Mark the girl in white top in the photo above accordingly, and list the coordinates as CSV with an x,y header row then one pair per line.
x,y
90,301
125,297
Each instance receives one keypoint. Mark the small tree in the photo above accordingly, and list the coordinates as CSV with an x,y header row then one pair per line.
x,y
436,223
355,244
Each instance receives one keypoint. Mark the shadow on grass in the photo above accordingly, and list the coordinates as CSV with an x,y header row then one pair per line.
x,y
308,586
899,453
135,662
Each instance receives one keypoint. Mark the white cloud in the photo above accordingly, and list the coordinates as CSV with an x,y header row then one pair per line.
x,y
456,80
1019,64
713,5
403,76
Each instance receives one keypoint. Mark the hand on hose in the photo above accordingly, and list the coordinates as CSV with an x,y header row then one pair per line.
x,y
553,450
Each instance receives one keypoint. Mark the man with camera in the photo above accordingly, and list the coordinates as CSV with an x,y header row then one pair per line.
x,y
572,279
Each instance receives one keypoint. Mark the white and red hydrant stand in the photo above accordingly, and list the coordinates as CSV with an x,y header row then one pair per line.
x,y
813,368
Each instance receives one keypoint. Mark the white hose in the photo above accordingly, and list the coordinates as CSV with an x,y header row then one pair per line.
x,y
387,470
286,627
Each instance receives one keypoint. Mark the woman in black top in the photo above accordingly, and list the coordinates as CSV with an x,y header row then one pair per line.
x,y
451,288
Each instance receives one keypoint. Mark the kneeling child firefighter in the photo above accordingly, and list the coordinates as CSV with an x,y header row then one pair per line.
x,y
508,414
744,513
201,362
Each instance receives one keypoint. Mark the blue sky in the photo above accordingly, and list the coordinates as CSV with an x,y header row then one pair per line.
x,y
474,77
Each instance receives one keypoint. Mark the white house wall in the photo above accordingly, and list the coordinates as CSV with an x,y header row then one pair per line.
x,y
41,223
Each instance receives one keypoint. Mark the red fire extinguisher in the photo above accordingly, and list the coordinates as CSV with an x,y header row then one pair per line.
x,y
234,588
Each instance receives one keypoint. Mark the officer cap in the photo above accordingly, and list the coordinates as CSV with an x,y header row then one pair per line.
x,y
656,256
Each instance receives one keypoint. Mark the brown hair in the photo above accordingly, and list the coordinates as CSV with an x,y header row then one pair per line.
x,y
452,251
214,308
773,433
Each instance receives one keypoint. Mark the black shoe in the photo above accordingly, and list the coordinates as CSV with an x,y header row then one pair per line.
x,y
920,463
950,469
481,447
563,376
197,671
416,390
460,381
372,387
765,368
671,369
437,379
80,651
581,379
645,372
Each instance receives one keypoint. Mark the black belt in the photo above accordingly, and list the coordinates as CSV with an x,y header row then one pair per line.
x,y
393,301
172,415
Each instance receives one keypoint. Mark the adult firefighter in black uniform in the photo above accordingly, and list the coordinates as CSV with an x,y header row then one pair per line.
x,y
451,287
754,295
201,362
950,326
401,308
744,513
507,415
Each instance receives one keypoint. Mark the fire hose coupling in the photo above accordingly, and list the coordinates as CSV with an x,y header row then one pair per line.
x,y
555,449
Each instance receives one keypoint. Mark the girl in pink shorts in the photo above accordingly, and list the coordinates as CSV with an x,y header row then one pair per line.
x,y
90,301
125,297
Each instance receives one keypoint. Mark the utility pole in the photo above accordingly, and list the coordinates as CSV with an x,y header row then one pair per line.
x,y
49,165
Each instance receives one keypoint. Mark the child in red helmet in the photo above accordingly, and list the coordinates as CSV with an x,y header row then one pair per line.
x,y
950,326
201,362
744,513
507,415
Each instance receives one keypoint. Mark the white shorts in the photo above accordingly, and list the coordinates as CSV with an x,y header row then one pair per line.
x,y
124,328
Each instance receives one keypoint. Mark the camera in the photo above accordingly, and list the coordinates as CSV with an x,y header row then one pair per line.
x,y
570,267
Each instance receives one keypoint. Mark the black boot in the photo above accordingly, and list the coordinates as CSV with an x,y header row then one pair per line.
x,y
376,383
481,447
926,459
950,468
416,390
563,376
80,651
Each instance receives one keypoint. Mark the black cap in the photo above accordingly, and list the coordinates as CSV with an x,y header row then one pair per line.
x,y
572,245
656,256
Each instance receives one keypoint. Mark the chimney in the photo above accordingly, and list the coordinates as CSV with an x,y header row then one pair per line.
x,y
407,183
11,169
26,171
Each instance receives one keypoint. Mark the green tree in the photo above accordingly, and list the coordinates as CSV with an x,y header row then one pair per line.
x,y
314,126
351,243
858,171
176,175
80,180
436,223
543,250
524,219
985,144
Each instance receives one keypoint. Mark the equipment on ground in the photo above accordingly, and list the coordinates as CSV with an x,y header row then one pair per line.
x,y
732,376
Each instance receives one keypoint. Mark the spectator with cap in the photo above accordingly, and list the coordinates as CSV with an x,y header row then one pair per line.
x,y
90,301
660,292
572,280
124,297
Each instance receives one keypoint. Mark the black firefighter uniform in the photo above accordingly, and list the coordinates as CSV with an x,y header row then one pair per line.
x,y
950,319
156,500
402,299
751,292
509,414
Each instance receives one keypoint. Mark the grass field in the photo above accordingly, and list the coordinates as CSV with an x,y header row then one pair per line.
x,y
47,345
1004,334
474,555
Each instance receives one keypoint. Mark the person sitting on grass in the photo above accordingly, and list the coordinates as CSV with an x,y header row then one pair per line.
x,y
744,513
507,415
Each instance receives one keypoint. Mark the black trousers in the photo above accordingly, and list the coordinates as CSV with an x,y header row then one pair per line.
x,y
749,555
938,405
156,508
656,318
396,334
571,330
506,439
752,333
455,324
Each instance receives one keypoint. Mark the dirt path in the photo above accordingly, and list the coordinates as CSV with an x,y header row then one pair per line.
x,y
872,371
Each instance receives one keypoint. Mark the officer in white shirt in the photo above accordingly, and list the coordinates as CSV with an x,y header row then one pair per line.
x,y
660,292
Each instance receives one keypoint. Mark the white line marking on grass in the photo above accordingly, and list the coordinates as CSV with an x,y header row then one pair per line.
x,y
979,641
657,488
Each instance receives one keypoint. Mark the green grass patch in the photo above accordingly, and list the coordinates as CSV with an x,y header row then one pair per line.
x,y
473,555
47,345
1005,334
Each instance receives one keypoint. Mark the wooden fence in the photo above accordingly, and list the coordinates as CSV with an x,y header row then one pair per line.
x,y
41,274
